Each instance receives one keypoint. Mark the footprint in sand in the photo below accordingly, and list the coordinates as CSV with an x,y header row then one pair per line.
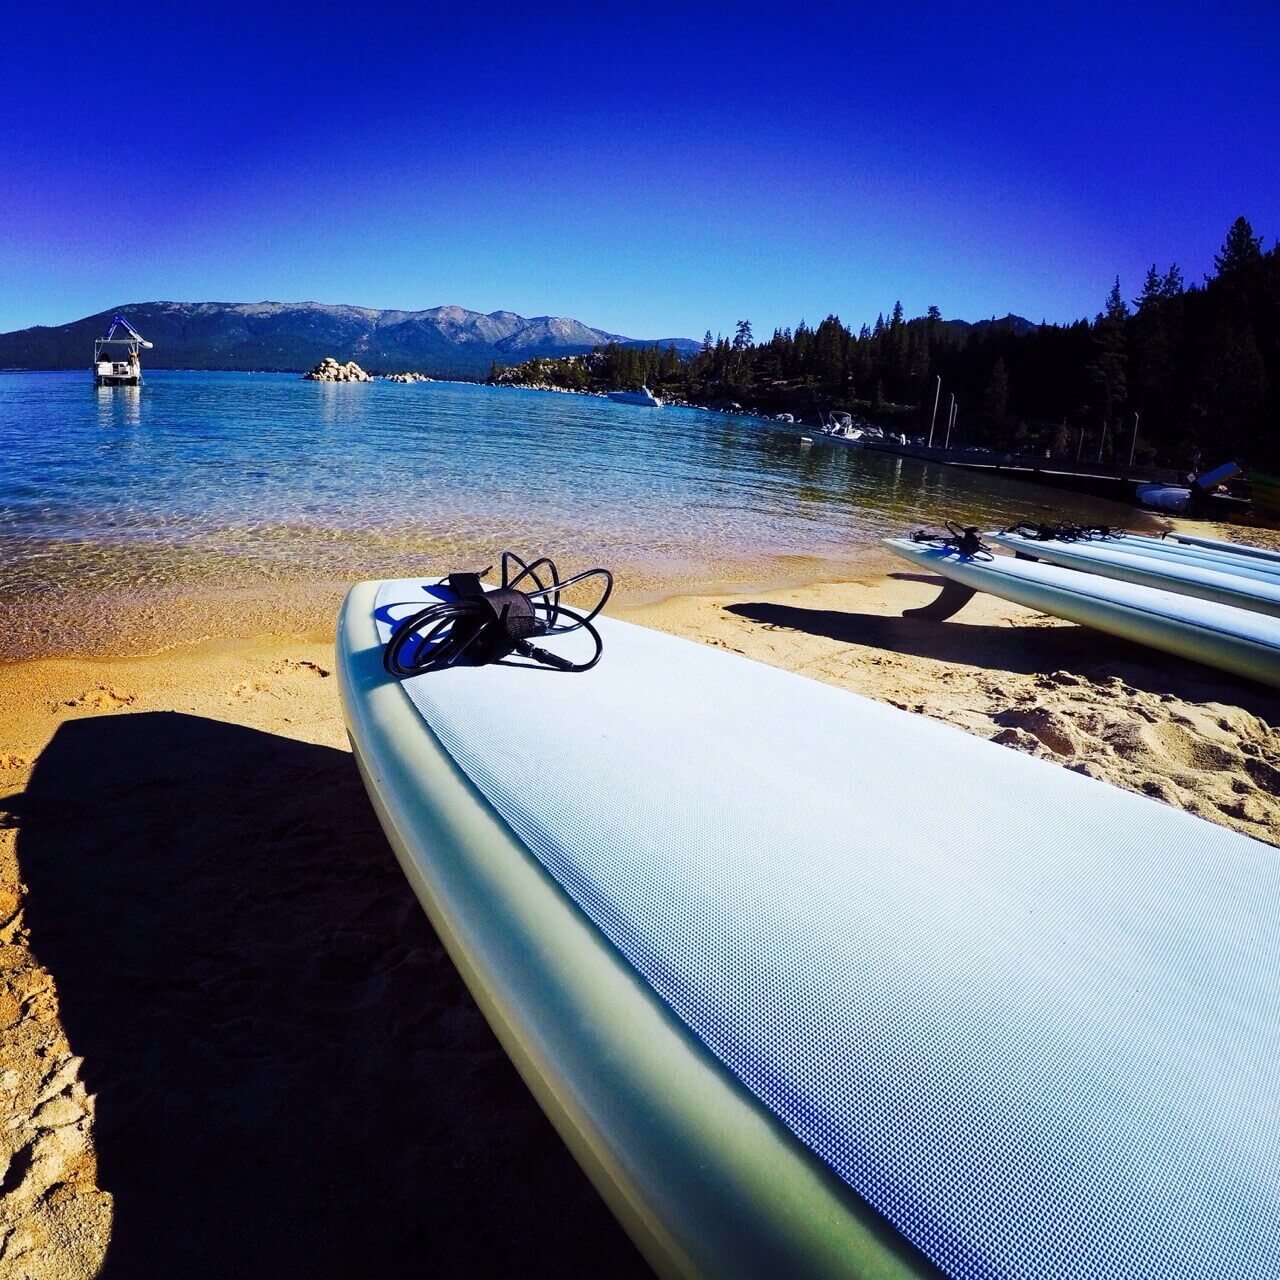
x,y
300,666
247,689
1047,727
285,667
101,698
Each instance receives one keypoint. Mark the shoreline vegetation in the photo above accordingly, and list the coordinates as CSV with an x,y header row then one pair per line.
x,y
1188,375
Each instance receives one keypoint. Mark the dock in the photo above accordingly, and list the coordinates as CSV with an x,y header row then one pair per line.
x,y
1119,483
1100,479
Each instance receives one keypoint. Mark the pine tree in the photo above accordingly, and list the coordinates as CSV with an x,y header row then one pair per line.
x,y
1107,370
1154,333
1241,251
917,354
932,326
1152,289
996,397
1116,308
742,339
1231,394
828,350
896,344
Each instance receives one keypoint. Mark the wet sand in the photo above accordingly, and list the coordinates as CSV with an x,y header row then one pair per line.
x,y
231,1043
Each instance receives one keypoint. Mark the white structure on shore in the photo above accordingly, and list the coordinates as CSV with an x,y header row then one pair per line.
x,y
115,368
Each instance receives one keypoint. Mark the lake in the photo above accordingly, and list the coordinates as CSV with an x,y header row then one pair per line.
x,y
213,484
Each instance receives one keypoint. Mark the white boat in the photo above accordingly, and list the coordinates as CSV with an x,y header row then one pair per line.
x,y
1194,496
839,428
1174,498
642,396
108,369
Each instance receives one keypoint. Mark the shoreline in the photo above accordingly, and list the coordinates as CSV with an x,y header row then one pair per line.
x,y
216,605
151,621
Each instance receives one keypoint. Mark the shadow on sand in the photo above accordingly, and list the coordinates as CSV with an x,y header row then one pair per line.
x,y
291,1078
1028,650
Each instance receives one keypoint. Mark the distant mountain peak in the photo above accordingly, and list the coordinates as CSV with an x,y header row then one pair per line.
x,y
1015,324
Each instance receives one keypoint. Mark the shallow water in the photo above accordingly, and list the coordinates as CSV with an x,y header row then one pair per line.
x,y
230,480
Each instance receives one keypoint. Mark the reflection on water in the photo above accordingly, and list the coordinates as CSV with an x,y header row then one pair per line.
x,y
243,478
119,406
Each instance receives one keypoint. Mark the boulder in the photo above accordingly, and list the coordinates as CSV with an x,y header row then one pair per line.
x,y
329,370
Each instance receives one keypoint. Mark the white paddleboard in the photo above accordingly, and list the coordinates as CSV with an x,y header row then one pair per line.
x,y
1112,559
812,986
1184,553
1233,548
1240,641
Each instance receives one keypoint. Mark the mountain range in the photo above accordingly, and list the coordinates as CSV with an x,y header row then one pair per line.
x,y
296,335
1012,323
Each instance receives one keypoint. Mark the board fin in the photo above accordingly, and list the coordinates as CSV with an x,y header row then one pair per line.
x,y
951,599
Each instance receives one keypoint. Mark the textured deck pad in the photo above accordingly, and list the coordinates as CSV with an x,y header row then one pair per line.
x,y
1239,563
1242,587
1034,1020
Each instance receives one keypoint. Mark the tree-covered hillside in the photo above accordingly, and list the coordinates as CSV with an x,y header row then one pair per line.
x,y
1199,364
444,341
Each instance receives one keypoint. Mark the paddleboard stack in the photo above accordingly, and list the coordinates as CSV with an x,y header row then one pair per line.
x,y
1200,598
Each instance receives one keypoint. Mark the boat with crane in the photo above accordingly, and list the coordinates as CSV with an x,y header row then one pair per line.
x,y
115,355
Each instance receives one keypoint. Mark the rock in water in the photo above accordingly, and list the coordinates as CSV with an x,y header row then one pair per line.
x,y
329,370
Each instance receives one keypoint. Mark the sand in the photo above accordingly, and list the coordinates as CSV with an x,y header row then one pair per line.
x,y
230,1044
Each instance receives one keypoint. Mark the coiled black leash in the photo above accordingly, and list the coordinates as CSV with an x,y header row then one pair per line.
x,y
964,539
479,626
1034,532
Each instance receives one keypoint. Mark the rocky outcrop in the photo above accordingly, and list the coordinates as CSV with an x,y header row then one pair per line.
x,y
329,370
548,386
408,377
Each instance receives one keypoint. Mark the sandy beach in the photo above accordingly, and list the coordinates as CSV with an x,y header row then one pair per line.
x,y
232,1044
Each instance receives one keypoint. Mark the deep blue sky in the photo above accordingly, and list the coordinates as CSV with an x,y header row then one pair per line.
x,y
654,174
